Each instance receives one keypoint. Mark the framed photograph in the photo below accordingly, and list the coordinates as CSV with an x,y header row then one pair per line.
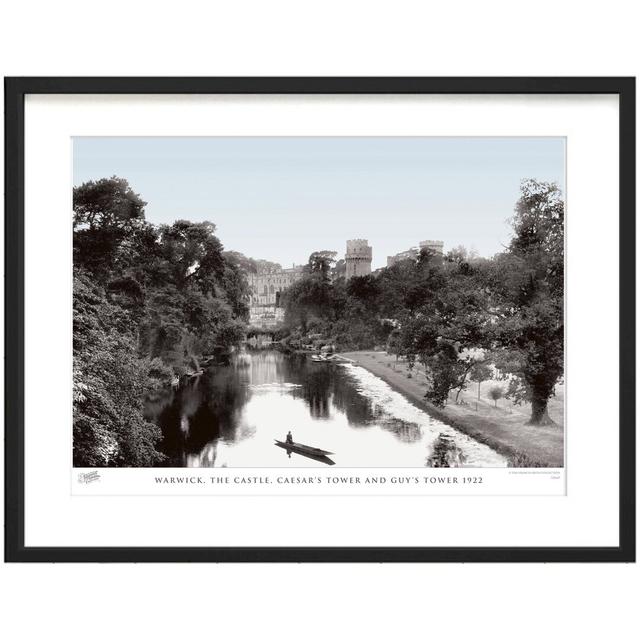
x,y
320,319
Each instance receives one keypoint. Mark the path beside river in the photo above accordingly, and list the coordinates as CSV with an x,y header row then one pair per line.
x,y
503,428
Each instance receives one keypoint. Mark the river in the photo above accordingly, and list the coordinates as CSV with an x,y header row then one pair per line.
x,y
231,415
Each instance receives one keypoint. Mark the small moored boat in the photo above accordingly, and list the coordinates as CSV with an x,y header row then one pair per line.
x,y
322,358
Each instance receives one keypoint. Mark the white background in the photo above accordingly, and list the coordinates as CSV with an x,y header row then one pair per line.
x,y
329,38
53,517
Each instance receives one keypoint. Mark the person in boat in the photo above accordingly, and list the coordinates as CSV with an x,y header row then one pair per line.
x,y
289,438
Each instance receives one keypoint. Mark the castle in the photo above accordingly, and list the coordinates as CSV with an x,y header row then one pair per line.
x,y
265,289
358,258
267,285
434,246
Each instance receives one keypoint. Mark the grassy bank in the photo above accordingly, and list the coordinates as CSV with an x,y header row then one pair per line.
x,y
502,428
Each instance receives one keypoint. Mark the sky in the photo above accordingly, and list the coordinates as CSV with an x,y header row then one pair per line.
x,y
281,198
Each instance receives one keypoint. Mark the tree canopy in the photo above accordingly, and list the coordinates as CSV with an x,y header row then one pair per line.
x,y
149,302
437,311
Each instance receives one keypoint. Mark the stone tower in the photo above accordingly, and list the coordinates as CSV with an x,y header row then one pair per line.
x,y
435,246
358,258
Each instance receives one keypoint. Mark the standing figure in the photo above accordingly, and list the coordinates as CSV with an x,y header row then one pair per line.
x,y
289,438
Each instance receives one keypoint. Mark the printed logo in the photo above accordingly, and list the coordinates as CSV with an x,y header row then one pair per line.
x,y
89,476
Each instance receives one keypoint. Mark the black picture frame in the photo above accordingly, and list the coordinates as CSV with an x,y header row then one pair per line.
x,y
15,91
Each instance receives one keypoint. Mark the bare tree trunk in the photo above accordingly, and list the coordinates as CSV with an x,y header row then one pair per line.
x,y
539,413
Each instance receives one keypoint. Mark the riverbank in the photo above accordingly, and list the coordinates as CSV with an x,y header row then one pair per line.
x,y
502,428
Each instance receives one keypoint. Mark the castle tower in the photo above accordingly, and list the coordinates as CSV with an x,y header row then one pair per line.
x,y
358,258
435,246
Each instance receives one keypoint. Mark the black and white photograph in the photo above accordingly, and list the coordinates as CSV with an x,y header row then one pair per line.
x,y
357,302
320,320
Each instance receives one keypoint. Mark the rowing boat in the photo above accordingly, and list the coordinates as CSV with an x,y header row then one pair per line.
x,y
304,449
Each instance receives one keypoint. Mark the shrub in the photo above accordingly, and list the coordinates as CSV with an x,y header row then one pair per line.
x,y
495,393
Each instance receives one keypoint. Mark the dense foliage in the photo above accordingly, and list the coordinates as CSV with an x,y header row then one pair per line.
x,y
458,315
148,302
528,282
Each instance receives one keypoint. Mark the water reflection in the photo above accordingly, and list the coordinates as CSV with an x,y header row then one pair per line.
x,y
232,415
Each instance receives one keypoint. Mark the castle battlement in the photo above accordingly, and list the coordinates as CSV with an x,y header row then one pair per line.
x,y
434,246
358,247
437,246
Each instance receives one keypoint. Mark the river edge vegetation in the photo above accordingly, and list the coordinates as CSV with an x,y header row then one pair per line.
x,y
151,301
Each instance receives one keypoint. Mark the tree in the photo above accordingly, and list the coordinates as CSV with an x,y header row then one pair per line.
x,y
471,359
265,266
495,393
313,298
198,296
445,372
148,303
340,269
321,262
364,288
480,372
461,254
528,280
446,323
106,203
106,213
193,254
393,343
248,265
448,368
109,385
307,299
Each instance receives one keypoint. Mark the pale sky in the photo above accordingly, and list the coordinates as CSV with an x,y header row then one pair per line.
x,y
281,198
